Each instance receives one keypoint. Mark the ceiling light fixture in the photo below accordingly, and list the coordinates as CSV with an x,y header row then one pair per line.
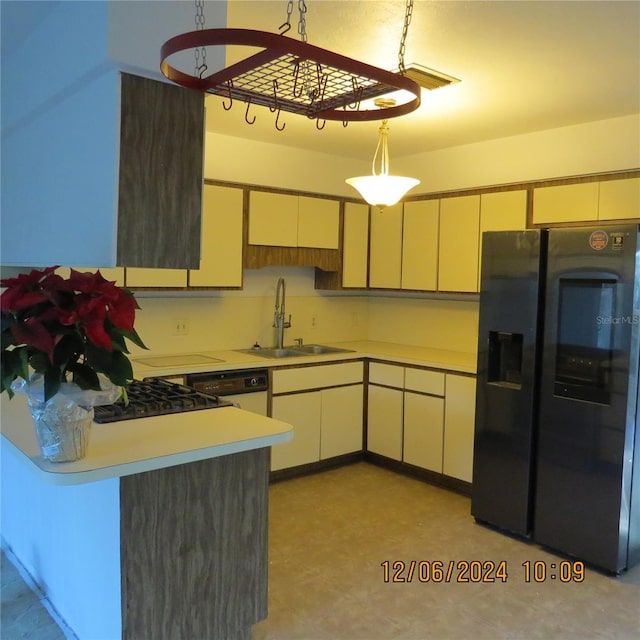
x,y
380,189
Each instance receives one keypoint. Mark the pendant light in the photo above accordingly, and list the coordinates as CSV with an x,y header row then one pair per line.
x,y
381,189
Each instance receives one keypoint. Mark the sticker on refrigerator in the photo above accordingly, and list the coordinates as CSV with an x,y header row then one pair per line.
x,y
598,240
617,241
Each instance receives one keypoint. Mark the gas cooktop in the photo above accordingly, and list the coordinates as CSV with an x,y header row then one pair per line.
x,y
156,397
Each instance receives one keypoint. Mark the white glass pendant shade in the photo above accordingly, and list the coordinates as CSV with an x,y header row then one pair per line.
x,y
382,191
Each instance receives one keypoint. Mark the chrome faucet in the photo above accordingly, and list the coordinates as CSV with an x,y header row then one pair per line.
x,y
279,314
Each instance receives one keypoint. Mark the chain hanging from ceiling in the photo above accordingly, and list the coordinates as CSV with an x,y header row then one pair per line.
x,y
291,75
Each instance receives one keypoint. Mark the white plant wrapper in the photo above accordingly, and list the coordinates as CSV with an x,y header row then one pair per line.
x,y
63,423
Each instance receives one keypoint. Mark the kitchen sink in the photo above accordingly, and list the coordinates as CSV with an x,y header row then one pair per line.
x,y
293,352
318,349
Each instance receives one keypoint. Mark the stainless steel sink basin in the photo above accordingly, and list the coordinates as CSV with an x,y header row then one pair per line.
x,y
293,352
285,352
319,349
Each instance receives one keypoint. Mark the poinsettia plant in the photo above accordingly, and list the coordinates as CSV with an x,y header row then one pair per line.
x,y
63,328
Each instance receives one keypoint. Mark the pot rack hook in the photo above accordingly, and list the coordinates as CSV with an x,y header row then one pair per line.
x,y
276,106
318,127
246,114
229,87
277,120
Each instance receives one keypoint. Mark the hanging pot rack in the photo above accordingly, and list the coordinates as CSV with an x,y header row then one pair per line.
x,y
292,76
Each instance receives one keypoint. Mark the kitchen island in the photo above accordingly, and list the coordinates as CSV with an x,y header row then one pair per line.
x,y
160,532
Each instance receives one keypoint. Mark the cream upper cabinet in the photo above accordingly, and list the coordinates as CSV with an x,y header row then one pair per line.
x,y
385,259
420,245
318,223
503,211
459,239
155,278
619,199
273,219
566,203
355,245
283,220
221,255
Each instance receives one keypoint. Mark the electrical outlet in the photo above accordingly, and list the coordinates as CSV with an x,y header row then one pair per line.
x,y
180,327
314,322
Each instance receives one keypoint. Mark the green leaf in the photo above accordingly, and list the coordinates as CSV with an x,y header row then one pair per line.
x,y
134,337
51,382
121,370
85,377
39,362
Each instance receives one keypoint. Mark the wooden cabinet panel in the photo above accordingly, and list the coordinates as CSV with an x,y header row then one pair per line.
x,y
355,245
273,219
503,211
459,239
423,431
341,423
384,422
318,223
160,174
619,199
566,203
385,260
303,411
156,278
459,420
420,245
221,261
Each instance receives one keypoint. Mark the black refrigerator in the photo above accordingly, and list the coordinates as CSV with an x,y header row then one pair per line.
x,y
557,441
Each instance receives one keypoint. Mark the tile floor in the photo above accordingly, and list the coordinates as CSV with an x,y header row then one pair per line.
x,y
329,535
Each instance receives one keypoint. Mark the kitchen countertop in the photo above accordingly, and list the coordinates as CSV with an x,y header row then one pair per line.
x,y
223,360
133,446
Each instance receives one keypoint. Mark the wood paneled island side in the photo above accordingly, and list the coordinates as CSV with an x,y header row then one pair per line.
x,y
160,532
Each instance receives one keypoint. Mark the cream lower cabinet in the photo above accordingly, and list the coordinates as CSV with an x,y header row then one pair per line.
x,y
303,411
459,421
423,431
384,421
327,421
422,417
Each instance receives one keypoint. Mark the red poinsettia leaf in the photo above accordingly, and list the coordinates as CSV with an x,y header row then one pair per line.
x,y
34,334
122,312
29,279
18,299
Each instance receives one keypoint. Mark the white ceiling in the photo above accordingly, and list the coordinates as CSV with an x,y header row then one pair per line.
x,y
523,66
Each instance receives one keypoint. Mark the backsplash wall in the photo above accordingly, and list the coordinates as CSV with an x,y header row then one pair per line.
x,y
219,320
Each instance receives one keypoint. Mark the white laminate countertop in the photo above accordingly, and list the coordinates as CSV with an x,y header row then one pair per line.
x,y
172,364
133,446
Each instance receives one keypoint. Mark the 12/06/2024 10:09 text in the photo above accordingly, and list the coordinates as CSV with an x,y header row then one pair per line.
x,y
479,571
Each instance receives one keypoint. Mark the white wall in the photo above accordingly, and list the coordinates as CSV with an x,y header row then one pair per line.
x,y
593,147
268,164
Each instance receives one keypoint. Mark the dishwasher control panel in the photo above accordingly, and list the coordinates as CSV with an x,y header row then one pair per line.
x,y
222,383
